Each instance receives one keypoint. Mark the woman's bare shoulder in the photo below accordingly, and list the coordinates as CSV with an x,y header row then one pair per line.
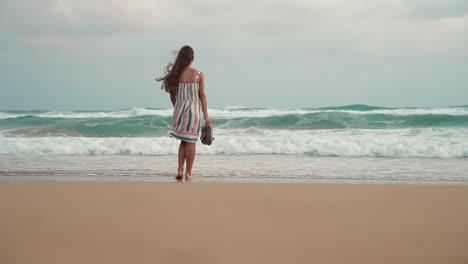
x,y
201,75
197,71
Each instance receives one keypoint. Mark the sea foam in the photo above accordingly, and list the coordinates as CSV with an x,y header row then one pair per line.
x,y
236,112
434,143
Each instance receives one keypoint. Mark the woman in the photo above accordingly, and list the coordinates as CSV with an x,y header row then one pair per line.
x,y
186,86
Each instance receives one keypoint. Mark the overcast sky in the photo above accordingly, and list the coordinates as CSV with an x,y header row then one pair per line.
x,y
104,55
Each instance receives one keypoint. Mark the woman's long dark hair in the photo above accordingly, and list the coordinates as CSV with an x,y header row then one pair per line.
x,y
174,69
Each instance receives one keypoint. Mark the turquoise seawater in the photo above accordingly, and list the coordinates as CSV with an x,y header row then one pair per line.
x,y
354,130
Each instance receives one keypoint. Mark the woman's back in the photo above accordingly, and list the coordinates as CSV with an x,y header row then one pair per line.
x,y
189,87
189,75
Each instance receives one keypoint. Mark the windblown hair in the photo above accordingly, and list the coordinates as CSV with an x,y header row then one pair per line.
x,y
174,69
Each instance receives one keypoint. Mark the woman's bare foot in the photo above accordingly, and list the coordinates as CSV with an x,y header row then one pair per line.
x,y
179,176
188,176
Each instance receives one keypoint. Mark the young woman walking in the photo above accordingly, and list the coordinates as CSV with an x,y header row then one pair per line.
x,y
186,86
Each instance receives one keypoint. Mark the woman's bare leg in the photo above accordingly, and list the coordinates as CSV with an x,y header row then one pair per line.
x,y
182,151
190,157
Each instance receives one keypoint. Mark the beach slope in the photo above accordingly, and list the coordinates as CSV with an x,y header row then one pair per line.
x,y
143,222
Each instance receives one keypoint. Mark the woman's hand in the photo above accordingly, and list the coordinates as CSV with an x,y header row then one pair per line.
x,y
208,120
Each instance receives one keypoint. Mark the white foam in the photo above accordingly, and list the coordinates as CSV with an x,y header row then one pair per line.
x,y
228,113
235,112
4,115
79,114
418,111
439,143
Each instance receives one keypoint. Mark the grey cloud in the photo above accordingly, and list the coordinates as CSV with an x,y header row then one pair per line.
x,y
32,18
368,27
83,17
438,8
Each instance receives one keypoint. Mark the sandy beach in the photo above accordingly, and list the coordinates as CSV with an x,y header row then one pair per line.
x,y
143,222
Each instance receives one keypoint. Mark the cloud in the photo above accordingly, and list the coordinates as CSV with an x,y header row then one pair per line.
x,y
89,17
368,27
85,17
78,17
437,9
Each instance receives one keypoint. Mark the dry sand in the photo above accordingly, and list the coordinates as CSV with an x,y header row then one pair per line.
x,y
124,222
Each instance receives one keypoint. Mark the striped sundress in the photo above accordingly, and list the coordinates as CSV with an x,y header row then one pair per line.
x,y
187,114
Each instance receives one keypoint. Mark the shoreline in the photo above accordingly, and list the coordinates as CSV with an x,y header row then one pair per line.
x,y
231,168
204,180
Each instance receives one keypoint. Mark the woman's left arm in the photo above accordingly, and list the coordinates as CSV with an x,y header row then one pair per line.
x,y
202,96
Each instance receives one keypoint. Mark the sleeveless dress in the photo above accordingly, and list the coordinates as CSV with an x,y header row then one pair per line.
x,y
187,114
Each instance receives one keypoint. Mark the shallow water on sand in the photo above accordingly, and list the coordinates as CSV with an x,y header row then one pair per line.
x,y
237,168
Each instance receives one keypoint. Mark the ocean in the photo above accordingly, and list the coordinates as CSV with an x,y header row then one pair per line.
x,y
355,143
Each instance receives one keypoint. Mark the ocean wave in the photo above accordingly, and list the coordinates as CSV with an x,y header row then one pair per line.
x,y
94,127
434,143
356,107
141,126
241,112
136,111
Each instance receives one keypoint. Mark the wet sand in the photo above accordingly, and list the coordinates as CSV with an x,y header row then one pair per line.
x,y
148,222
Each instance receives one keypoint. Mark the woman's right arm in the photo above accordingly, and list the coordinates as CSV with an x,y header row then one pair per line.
x,y
203,99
